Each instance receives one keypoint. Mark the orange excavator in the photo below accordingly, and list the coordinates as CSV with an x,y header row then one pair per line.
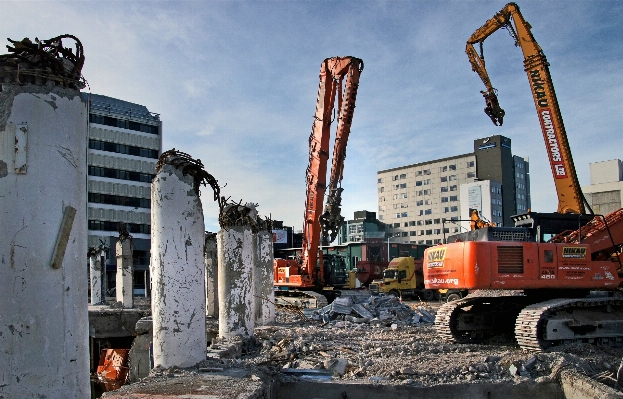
x,y
546,290
314,271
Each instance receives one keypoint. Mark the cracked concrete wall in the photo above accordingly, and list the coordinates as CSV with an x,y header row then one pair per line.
x,y
235,282
263,273
211,262
44,321
97,274
125,273
177,270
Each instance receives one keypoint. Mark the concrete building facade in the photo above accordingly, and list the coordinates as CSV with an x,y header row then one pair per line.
x,y
124,143
605,192
422,203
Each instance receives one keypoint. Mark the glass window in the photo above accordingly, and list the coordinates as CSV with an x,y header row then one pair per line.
x,y
452,167
471,175
403,176
452,177
444,189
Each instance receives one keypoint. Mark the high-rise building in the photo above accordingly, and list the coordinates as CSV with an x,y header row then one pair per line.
x,y
125,141
425,202
605,193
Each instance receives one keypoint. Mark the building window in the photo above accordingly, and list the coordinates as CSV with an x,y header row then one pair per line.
x,y
113,226
444,189
427,192
443,168
420,212
470,164
381,217
428,212
428,221
404,233
421,232
418,183
454,198
437,221
412,223
403,185
120,174
437,241
396,225
419,202
429,242
404,205
428,202
444,199
426,171
119,200
398,215
406,224
429,232
471,175
426,182
380,180
452,177
395,206
453,188
395,196
124,124
419,222
381,199
122,149
395,177
418,173
437,231
403,176
403,195
446,230
446,209
396,186
454,209
412,233
403,214
443,179
381,208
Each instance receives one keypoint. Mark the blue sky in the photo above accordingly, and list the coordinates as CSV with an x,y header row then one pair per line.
x,y
235,83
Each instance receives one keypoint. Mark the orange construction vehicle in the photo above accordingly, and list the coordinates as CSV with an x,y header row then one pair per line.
x,y
312,271
547,291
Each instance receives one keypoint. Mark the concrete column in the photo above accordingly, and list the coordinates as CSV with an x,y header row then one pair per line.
x,y
263,273
44,324
97,263
125,272
177,266
235,294
211,262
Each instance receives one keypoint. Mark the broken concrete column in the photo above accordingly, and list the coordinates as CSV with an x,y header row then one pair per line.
x,y
125,270
97,272
43,231
263,273
177,263
235,282
211,262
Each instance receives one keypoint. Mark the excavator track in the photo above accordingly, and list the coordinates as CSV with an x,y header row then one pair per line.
x,y
475,318
557,321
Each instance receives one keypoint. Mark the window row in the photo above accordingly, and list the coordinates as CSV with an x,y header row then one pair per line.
x,y
426,222
124,124
122,149
114,226
120,174
134,202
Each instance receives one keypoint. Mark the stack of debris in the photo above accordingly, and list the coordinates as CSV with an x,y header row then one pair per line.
x,y
383,309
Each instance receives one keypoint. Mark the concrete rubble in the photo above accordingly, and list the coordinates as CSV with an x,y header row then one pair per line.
x,y
383,309
392,354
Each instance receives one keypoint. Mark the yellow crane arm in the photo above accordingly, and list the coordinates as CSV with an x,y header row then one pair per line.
x,y
570,197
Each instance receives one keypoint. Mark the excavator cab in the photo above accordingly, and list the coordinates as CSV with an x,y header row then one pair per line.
x,y
335,273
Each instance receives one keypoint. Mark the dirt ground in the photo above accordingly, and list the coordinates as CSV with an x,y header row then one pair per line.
x,y
393,352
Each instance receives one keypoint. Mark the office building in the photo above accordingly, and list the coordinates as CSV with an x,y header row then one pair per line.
x,y
124,141
423,203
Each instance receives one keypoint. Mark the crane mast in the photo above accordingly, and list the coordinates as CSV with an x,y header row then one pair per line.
x,y
334,72
570,198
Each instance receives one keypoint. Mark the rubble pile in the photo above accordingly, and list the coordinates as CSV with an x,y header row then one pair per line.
x,y
398,351
384,309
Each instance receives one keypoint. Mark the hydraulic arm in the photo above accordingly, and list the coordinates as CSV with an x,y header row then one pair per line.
x,y
570,198
334,72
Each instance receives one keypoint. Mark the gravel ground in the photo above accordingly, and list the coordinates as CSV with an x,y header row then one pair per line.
x,y
397,353
389,352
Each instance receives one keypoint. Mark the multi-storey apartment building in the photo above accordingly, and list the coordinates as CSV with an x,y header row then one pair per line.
x,y
424,202
125,141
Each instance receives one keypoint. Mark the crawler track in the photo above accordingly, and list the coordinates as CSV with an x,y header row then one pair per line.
x,y
593,320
